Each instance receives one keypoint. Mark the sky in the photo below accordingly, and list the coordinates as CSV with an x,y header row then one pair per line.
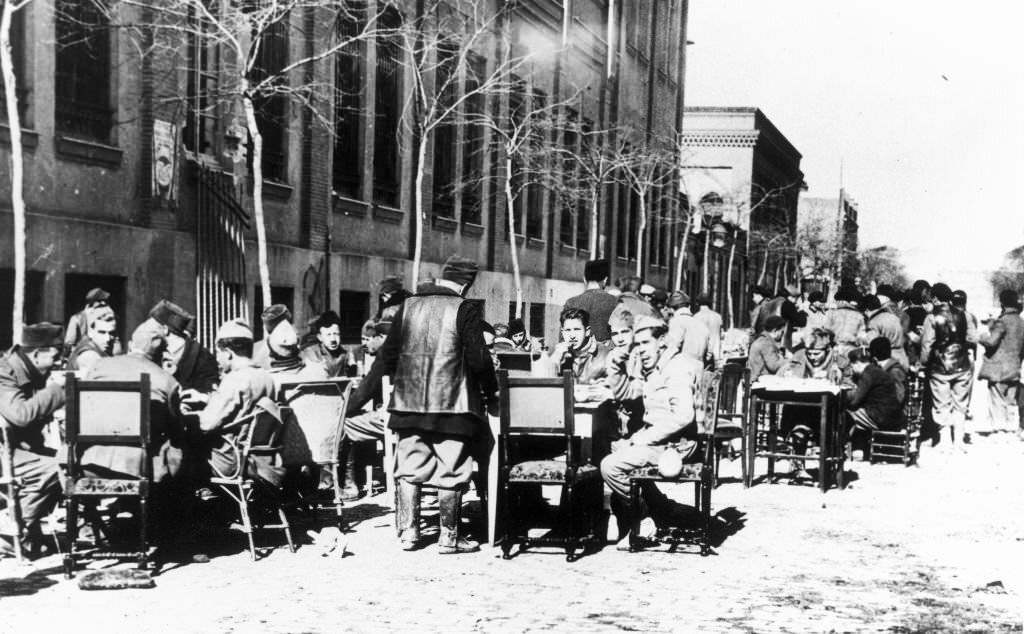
x,y
916,107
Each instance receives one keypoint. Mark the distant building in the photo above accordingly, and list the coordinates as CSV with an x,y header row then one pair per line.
x,y
828,261
743,178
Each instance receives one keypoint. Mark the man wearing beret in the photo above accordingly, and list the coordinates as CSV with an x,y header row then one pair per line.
x,y
98,342
443,380
78,324
278,351
29,395
327,350
686,332
945,337
194,367
598,303
1004,349
666,381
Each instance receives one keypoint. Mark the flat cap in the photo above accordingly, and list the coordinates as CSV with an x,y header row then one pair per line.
x,y
273,315
678,299
42,335
596,270
460,270
774,322
96,295
171,315
234,329
647,322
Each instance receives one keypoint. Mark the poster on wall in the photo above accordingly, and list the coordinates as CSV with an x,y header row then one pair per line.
x,y
165,155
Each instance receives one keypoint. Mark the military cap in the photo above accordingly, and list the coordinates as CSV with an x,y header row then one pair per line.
x,y
42,335
96,295
234,329
774,322
678,299
274,315
647,322
171,315
596,270
460,270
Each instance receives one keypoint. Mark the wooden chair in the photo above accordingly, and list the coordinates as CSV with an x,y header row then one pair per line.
x,y
9,488
533,406
733,393
901,444
701,474
106,413
314,423
257,436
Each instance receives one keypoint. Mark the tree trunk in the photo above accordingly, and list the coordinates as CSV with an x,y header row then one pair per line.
x,y
764,269
417,257
17,169
681,258
778,276
257,192
595,218
641,230
729,316
707,264
510,214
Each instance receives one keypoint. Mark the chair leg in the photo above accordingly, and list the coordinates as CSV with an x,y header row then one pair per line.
x,y
143,522
243,511
507,518
571,538
705,544
634,515
338,504
72,536
287,528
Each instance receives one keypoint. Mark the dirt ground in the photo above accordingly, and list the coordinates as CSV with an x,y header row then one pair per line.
x,y
922,549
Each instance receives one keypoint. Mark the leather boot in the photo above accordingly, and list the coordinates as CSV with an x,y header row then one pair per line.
x,y
350,491
408,514
450,508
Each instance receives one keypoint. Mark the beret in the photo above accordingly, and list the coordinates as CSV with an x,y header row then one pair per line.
x,y
596,270
389,285
880,348
645,322
760,290
42,335
678,299
516,326
234,329
772,322
171,315
459,270
96,295
273,315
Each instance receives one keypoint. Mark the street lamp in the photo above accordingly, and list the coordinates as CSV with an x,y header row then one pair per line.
x,y
718,235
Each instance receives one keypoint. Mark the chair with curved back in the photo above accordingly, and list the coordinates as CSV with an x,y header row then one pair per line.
x,y
733,399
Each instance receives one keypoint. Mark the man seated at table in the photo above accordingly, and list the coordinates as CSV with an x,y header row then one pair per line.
x,y
29,395
881,351
98,341
667,382
620,329
242,385
193,366
362,426
765,356
578,352
875,404
327,351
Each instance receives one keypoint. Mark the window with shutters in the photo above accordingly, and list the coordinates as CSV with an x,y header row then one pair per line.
x,y
347,177
82,82
387,109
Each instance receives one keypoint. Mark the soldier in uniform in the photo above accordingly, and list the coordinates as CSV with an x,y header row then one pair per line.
x,y
98,342
327,350
29,395
443,375
78,324
193,366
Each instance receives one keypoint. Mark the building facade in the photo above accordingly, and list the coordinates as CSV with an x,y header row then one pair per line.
x,y
743,180
136,184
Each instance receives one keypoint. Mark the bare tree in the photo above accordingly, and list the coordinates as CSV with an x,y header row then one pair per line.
x,y
645,168
17,162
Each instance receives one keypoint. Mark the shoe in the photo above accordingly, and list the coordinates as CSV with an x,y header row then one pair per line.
x,y
857,454
640,543
351,493
407,514
450,542
967,439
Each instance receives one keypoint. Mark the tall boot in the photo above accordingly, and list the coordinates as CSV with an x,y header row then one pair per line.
x,y
350,491
450,507
408,514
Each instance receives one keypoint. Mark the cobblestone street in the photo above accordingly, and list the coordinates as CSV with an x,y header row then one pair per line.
x,y
903,549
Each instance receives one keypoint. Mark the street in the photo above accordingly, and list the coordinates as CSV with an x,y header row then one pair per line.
x,y
930,548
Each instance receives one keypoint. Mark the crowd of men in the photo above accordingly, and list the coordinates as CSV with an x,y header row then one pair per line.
x,y
640,352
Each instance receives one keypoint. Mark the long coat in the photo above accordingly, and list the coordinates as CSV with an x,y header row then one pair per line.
x,y
1004,347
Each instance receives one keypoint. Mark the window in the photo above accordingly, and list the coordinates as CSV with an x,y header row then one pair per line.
x,y
82,82
570,199
535,193
33,313
348,120
473,146
622,221
272,109
537,320
21,81
203,67
445,134
586,203
354,310
387,111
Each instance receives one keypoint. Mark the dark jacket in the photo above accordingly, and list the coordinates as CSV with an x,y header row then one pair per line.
x,y
197,368
899,377
334,366
26,401
782,307
1004,347
944,340
599,306
441,367
876,394
764,357
85,345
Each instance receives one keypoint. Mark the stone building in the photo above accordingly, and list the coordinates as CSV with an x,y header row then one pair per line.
x,y
134,183
742,177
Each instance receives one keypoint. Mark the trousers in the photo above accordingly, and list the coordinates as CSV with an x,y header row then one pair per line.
x,y
41,489
440,460
1002,403
367,426
951,396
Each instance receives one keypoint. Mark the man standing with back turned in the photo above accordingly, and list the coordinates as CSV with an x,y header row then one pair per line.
x,y
442,376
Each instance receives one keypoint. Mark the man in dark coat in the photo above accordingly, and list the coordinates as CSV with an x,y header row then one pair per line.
x,y
29,395
1004,348
598,303
443,374
327,350
875,404
945,338
193,366
783,306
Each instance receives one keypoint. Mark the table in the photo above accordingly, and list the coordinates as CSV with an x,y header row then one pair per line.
x,y
824,396
583,419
